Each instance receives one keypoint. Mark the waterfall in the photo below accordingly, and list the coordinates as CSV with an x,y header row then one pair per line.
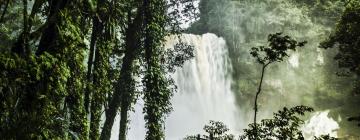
x,y
302,79
203,89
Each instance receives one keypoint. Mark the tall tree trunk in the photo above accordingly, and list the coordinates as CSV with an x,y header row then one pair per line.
x,y
90,67
100,79
96,30
52,43
125,104
156,94
257,96
125,87
96,100
92,95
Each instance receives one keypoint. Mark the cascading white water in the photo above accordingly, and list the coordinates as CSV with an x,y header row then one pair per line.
x,y
203,89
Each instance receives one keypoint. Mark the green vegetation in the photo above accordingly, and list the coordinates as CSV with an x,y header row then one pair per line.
x,y
68,67
65,63
284,125
216,131
346,39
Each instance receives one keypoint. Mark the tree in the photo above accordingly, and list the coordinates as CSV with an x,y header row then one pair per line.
x,y
159,87
125,86
49,84
216,131
48,92
145,34
285,125
346,39
276,51
156,95
325,137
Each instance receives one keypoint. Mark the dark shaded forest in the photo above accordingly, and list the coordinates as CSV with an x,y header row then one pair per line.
x,y
70,68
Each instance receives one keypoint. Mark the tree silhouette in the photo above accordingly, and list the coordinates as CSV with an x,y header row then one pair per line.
x,y
276,51
216,131
284,125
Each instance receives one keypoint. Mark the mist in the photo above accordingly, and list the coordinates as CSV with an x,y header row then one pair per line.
x,y
309,77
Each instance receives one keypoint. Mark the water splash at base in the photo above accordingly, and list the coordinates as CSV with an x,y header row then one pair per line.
x,y
320,124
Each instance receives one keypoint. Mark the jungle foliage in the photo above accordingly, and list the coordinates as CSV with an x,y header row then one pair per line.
x,y
285,125
345,38
64,64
